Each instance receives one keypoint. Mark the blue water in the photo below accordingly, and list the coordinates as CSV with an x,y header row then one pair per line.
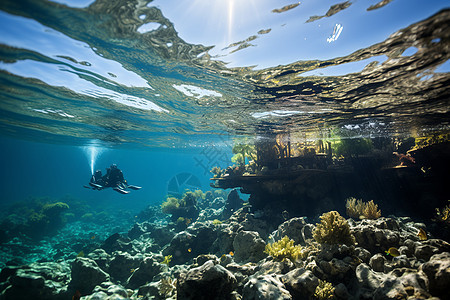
x,y
33,169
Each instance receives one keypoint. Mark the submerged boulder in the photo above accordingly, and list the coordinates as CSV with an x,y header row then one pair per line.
x,y
148,268
86,274
265,287
207,282
438,272
39,281
122,265
294,229
248,246
300,283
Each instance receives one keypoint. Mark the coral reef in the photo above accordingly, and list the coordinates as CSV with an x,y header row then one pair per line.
x,y
184,208
228,259
333,229
36,218
324,290
284,248
362,210
168,287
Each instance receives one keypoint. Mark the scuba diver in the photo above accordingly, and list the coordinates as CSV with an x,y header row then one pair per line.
x,y
113,178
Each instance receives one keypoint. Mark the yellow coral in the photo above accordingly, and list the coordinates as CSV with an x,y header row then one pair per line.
x,y
333,229
55,206
371,211
170,205
324,290
362,210
167,259
216,222
443,214
284,248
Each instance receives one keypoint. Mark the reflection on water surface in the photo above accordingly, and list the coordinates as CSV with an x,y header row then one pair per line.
x,y
146,73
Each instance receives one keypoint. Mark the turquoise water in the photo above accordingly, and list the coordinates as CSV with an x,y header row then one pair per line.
x,y
163,88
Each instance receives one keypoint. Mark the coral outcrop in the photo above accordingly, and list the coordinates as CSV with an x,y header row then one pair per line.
x,y
357,209
336,258
333,229
284,248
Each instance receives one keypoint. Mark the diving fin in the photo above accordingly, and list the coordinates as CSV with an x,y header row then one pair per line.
x,y
135,187
96,186
119,190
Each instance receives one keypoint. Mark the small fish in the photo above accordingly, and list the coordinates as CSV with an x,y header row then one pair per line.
x,y
93,237
393,252
285,215
189,250
80,254
132,270
422,235
231,253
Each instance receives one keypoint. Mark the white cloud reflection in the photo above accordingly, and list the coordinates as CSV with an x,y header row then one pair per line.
x,y
33,36
195,91
60,76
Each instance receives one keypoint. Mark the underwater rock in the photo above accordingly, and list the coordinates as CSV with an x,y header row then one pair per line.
x,y
196,239
234,202
368,279
270,266
294,229
101,258
117,242
341,291
251,223
382,233
224,241
148,268
210,214
265,287
202,258
438,272
425,249
401,284
178,247
217,203
300,283
162,235
121,265
363,254
377,262
398,284
337,269
86,275
248,246
209,282
137,230
39,281
108,290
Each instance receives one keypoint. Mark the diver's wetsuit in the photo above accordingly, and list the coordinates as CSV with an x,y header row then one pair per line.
x,y
115,178
97,178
